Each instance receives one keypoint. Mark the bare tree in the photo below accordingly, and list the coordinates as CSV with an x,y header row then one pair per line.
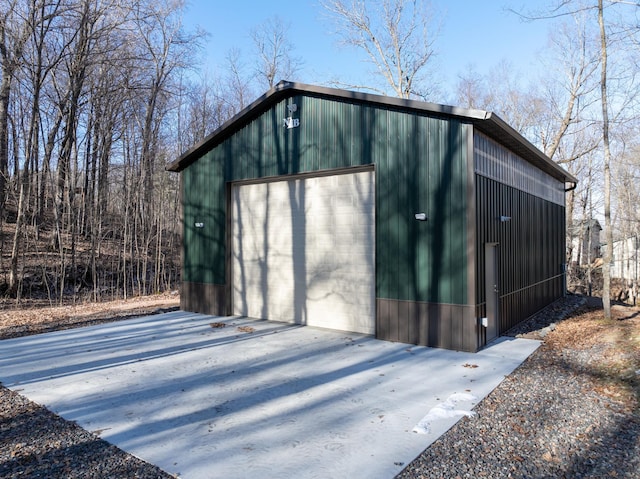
x,y
606,268
15,30
88,105
501,91
471,89
237,85
203,108
571,91
620,87
275,52
165,48
397,37
40,16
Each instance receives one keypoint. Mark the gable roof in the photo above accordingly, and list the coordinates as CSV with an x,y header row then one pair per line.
x,y
487,122
579,225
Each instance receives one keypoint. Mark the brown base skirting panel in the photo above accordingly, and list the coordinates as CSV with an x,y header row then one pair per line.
x,y
203,298
449,326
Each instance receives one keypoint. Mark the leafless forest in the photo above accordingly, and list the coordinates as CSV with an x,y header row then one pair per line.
x,y
90,103
97,96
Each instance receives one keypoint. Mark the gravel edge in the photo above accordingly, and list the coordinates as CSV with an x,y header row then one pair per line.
x,y
551,418
36,443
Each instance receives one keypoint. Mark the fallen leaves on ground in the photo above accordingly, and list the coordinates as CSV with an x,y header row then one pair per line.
x,y
33,318
610,347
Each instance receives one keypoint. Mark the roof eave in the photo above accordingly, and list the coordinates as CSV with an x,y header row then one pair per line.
x,y
286,89
246,114
486,122
498,129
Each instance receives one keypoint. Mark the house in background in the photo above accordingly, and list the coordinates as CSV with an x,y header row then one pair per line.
x,y
415,222
625,264
585,242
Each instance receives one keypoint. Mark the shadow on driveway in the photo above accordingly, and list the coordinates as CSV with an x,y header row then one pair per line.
x,y
281,401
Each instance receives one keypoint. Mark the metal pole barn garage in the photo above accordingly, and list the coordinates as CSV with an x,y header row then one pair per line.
x,y
415,222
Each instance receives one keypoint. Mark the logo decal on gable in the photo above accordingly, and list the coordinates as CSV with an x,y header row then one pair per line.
x,y
291,122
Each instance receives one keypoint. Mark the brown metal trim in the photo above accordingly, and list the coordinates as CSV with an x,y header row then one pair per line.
x,y
304,175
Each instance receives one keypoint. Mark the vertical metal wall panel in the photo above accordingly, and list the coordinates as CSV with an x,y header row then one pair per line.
x,y
531,243
530,249
204,222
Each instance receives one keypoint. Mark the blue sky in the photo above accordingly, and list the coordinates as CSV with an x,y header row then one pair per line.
x,y
474,32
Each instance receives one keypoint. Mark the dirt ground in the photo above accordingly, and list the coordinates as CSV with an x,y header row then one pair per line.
x,y
35,318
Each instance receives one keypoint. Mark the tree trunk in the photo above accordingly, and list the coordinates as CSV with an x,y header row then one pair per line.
x,y
15,250
5,94
608,255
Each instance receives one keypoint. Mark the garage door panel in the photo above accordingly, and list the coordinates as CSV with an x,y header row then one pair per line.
x,y
308,247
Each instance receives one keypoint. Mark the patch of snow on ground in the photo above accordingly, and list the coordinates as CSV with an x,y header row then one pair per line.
x,y
444,411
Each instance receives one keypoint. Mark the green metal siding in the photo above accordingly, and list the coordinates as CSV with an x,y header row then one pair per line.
x,y
203,199
422,169
421,166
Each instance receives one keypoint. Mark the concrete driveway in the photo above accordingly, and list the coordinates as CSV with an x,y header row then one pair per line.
x,y
204,397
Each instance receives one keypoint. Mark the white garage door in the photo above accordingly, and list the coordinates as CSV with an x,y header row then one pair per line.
x,y
303,251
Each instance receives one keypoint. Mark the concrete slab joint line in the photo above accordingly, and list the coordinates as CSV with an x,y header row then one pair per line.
x,y
278,401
